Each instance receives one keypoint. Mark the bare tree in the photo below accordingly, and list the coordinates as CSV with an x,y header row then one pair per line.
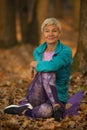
x,y
7,23
55,8
80,61
26,15
76,13
41,11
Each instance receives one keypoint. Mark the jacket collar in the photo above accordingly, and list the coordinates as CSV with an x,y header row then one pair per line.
x,y
42,47
58,47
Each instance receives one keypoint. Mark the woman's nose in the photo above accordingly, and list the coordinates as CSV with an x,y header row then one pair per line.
x,y
50,33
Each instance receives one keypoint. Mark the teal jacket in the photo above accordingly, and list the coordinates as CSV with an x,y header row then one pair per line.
x,y
60,64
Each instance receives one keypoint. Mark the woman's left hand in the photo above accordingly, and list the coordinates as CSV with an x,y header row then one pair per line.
x,y
33,64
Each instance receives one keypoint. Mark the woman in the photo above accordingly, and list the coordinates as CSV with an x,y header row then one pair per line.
x,y
48,93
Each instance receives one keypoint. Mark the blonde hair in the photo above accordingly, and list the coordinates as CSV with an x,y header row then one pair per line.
x,y
51,21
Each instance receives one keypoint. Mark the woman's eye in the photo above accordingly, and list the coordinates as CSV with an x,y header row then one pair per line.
x,y
54,30
46,31
50,31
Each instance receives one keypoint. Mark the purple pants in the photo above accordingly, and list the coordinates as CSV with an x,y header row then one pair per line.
x,y
42,95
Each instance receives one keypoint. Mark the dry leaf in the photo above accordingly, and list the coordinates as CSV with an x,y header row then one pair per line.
x,y
68,105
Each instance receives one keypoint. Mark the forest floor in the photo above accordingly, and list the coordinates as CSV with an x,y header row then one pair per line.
x,y
14,81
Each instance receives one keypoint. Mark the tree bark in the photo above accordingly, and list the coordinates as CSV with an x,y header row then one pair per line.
x,y
26,11
80,61
41,12
55,8
7,23
22,10
76,13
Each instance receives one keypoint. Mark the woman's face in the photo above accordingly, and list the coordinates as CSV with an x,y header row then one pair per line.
x,y
51,33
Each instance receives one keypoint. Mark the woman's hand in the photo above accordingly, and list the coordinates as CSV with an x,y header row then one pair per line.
x,y
32,68
33,64
31,72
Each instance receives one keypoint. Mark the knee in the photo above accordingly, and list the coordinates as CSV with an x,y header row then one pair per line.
x,y
48,74
49,77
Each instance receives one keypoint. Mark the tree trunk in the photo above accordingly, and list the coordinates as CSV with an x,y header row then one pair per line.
x,y
55,8
76,13
33,33
80,61
7,23
26,11
41,12
22,10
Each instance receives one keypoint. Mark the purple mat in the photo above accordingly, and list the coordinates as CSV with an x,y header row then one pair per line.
x,y
75,100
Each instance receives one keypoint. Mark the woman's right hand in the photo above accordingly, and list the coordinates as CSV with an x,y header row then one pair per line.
x,y
31,72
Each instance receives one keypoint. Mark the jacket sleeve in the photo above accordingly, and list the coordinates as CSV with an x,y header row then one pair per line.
x,y
36,55
60,60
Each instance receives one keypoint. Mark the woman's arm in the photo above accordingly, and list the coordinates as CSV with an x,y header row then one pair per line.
x,y
62,59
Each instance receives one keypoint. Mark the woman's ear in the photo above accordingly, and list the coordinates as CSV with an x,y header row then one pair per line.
x,y
59,34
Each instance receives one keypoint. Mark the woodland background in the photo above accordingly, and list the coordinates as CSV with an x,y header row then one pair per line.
x,y
20,22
